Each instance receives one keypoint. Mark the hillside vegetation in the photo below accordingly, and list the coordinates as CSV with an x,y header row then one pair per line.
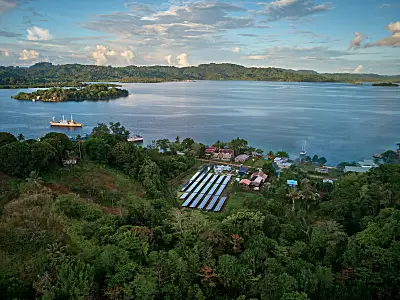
x,y
109,228
88,92
46,72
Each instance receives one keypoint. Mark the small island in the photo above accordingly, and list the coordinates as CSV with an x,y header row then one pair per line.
x,y
92,92
385,84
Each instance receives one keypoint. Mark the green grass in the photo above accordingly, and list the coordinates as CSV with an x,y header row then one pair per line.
x,y
257,163
103,185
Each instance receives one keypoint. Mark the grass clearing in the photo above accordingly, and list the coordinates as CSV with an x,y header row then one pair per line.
x,y
255,162
104,186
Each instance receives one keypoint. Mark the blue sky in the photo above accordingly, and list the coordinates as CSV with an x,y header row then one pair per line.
x,y
361,36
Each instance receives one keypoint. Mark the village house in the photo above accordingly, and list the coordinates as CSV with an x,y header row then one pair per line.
x,y
224,154
245,182
222,168
243,170
258,178
292,183
363,166
256,154
210,151
241,158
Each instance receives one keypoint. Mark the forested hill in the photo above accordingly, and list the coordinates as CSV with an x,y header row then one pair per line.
x,y
47,72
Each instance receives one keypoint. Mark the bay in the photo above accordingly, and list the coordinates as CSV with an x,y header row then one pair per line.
x,y
339,121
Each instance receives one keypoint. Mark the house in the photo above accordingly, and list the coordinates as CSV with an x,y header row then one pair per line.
x,y
367,163
211,150
241,158
363,166
220,169
348,169
224,154
327,181
292,183
259,174
256,154
258,181
243,170
322,170
280,160
245,182
284,165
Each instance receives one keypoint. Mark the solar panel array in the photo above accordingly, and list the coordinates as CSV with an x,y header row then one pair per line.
x,y
220,204
202,169
205,188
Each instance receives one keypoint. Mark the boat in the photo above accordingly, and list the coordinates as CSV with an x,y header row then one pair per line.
x,y
65,123
136,139
303,151
377,155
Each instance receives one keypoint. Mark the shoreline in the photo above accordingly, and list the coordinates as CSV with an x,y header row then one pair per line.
x,y
111,83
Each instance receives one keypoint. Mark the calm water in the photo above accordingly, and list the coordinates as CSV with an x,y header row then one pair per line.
x,y
339,121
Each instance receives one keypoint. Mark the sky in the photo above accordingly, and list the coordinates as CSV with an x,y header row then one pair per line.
x,y
354,36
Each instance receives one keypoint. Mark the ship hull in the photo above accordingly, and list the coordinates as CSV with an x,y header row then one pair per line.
x,y
65,125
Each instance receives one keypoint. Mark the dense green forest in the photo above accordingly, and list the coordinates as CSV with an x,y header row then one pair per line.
x,y
88,92
43,73
109,228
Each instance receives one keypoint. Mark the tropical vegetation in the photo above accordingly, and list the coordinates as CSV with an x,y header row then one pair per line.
x,y
88,92
47,73
108,227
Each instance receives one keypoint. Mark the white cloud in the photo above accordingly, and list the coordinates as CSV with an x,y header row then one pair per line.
x,y
257,57
128,56
356,42
393,40
236,50
358,69
28,54
182,60
101,54
169,59
4,53
38,34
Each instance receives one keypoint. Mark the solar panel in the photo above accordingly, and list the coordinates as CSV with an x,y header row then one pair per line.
x,y
197,200
220,204
200,178
183,197
207,187
220,179
204,182
227,180
204,202
190,181
212,203
213,189
186,203
220,190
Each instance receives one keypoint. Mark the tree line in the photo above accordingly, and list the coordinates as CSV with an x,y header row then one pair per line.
x,y
43,73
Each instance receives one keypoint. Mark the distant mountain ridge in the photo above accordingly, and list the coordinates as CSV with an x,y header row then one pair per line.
x,y
45,72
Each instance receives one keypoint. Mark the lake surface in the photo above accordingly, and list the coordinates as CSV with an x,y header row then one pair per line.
x,y
339,121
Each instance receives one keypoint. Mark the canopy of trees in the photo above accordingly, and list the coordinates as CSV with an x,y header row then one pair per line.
x,y
281,244
43,73
89,92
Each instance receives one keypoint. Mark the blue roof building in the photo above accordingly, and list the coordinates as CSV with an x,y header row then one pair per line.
x,y
243,170
292,183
